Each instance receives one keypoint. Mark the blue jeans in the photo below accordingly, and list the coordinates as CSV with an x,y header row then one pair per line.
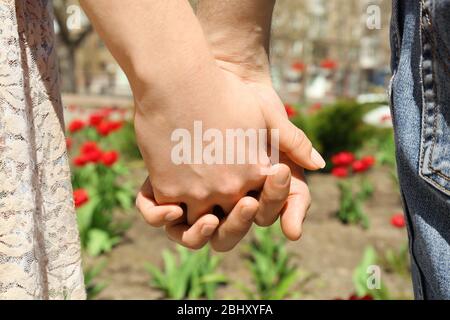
x,y
420,101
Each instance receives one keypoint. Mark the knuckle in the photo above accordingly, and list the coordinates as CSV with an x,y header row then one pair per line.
x,y
200,194
230,188
166,193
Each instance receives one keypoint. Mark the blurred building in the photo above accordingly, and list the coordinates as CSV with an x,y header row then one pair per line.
x,y
98,72
321,49
85,63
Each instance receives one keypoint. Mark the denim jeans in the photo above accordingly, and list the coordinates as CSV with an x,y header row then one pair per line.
x,y
420,102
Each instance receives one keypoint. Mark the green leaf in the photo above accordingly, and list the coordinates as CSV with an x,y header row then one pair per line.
x,y
360,276
95,290
281,291
93,272
187,274
213,278
157,276
196,288
86,212
99,241
119,169
169,262
125,199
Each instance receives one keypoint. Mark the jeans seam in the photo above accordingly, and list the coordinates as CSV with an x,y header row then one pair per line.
x,y
422,153
425,35
437,55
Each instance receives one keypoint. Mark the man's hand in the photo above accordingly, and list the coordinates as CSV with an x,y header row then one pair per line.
x,y
238,33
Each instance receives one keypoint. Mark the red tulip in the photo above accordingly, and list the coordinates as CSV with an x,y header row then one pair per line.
x,y
80,197
290,110
81,160
398,220
106,127
115,125
109,158
298,66
359,166
328,64
340,172
91,152
369,161
95,119
343,158
93,156
103,128
89,146
76,125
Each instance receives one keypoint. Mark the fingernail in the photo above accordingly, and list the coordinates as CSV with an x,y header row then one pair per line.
x,y
282,178
317,159
172,216
208,230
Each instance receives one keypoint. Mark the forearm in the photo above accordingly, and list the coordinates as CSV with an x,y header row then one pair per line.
x,y
238,31
158,43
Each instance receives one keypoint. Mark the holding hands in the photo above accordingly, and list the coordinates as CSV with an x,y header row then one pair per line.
x,y
212,69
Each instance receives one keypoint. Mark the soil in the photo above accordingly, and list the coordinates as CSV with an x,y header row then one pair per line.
x,y
326,255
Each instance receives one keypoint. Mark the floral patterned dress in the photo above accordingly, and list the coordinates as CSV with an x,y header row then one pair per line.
x,y
39,241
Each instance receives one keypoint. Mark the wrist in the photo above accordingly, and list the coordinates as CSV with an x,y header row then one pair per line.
x,y
244,56
170,76
238,34
177,88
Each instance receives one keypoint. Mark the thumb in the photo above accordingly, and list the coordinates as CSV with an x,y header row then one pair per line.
x,y
294,143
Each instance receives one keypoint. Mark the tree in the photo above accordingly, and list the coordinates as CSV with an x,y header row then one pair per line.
x,y
70,38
